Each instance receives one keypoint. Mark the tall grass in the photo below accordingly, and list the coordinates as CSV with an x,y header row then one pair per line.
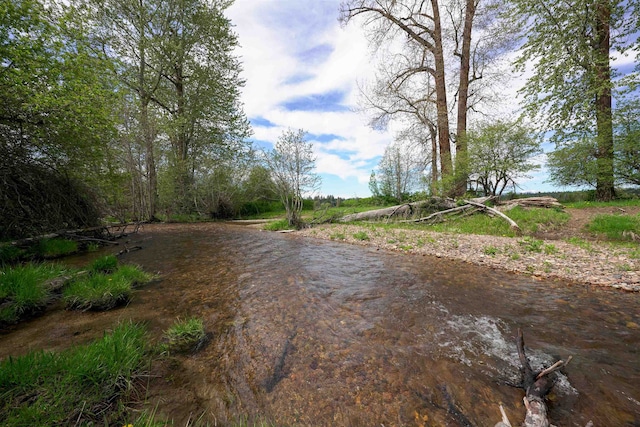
x,y
23,289
184,336
616,227
529,220
85,385
50,248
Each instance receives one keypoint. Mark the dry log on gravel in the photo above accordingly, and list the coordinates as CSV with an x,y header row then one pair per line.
x,y
530,202
402,211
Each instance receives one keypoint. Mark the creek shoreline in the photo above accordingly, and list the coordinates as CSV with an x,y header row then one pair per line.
x,y
595,263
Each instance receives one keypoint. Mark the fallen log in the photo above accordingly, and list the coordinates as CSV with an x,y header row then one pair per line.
x,y
404,210
439,216
530,202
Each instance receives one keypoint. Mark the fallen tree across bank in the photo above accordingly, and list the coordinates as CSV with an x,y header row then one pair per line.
x,y
443,209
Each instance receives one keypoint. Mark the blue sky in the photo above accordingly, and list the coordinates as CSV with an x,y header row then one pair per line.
x,y
302,70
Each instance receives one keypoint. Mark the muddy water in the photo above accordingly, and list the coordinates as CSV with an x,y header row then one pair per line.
x,y
317,333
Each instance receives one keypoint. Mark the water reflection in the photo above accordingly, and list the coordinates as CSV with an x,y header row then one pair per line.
x,y
318,333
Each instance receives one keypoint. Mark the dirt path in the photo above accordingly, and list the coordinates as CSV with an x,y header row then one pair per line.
x,y
580,217
591,261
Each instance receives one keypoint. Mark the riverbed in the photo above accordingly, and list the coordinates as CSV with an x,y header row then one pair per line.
x,y
317,333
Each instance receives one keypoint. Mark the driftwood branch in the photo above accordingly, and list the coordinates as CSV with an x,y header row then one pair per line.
x,y
536,385
511,222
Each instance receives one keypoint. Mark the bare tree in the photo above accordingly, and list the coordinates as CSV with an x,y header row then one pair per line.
x,y
437,41
420,22
400,170
409,97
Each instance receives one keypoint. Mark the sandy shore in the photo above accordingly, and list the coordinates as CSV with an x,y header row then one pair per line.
x,y
593,263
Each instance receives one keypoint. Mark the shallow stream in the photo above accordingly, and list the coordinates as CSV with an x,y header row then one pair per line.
x,y
308,332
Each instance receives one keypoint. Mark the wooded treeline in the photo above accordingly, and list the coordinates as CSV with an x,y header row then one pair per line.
x,y
120,108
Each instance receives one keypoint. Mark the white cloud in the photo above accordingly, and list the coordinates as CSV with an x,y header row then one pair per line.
x,y
273,41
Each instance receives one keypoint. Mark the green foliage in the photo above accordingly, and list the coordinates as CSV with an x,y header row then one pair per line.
x,y
569,92
616,227
185,336
529,221
10,253
23,290
85,385
292,164
491,250
574,164
51,248
531,244
106,264
500,153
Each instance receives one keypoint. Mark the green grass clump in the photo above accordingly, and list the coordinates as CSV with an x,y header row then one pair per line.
x,y
185,336
85,385
106,264
616,227
50,248
99,291
281,224
361,235
96,292
24,291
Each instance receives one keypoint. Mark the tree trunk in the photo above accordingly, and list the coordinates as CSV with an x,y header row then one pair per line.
x,y
147,134
441,94
604,155
463,96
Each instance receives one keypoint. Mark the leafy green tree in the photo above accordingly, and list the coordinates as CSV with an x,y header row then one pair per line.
x,y
627,143
55,117
292,164
499,154
570,91
199,91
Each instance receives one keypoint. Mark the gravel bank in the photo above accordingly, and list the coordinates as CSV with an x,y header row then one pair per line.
x,y
591,263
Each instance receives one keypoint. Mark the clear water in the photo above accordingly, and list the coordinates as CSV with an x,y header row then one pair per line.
x,y
318,333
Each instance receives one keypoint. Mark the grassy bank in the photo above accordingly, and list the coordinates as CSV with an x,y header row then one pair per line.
x,y
27,289
85,385
24,290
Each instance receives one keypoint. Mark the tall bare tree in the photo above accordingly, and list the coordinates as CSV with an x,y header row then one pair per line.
x,y
421,23
441,38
